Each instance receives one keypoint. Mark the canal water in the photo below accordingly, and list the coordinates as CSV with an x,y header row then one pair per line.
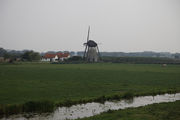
x,y
91,109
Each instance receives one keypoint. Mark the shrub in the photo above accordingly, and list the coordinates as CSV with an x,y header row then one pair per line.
x,y
11,60
110,111
117,97
108,98
41,105
128,95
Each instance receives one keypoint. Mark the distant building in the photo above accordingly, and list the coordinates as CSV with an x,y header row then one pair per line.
x,y
18,59
62,56
1,59
7,60
55,57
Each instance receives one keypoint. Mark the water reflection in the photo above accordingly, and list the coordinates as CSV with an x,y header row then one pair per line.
x,y
129,101
90,109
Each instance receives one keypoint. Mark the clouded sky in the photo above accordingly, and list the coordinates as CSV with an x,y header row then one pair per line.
x,y
121,25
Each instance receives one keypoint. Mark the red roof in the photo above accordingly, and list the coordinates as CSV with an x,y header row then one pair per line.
x,y
49,55
66,54
60,55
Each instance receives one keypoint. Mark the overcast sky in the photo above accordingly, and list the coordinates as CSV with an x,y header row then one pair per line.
x,y
121,25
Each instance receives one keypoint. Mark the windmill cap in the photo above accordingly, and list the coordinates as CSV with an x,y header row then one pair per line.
x,y
91,43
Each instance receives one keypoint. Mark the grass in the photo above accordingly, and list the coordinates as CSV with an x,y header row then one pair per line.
x,y
81,83
101,99
158,111
41,105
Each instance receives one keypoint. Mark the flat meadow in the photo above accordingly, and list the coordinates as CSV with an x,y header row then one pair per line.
x,y
59,82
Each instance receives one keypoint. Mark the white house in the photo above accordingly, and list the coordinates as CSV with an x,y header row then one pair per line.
x,y
55,57
62,56
49,57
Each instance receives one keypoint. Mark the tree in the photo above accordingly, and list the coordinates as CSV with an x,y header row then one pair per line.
x,y
50,52
176,56
23,51
72,53
13,52
158,55
80,53
2,51
76,58
66,51
6,56
26,55
11,60
59,52
34,56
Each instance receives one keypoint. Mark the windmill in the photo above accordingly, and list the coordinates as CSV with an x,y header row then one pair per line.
x,y
92,50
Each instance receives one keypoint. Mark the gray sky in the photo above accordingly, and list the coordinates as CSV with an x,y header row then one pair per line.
x,y
121,25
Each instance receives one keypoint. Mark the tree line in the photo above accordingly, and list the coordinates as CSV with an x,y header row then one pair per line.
x,y
27,56
30,55
141,60
136,54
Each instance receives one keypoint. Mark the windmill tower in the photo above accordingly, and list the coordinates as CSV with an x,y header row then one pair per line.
x,y
92,54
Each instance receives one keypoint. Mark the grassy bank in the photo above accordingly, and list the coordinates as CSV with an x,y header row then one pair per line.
x,y
75,82
158,111
41,105
48,105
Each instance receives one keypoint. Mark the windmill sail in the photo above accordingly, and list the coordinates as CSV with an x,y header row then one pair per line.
x,y
88,34
87,42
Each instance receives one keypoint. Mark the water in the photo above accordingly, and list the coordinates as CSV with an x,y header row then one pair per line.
x,y
91,109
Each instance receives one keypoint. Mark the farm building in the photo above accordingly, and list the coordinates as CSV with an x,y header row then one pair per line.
x,y
55,57
62,56
1,59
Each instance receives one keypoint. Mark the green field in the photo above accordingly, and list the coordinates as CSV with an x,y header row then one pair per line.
x,y
19,83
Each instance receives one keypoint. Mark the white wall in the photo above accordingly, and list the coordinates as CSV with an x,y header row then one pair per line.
x,y
54,59
45,59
